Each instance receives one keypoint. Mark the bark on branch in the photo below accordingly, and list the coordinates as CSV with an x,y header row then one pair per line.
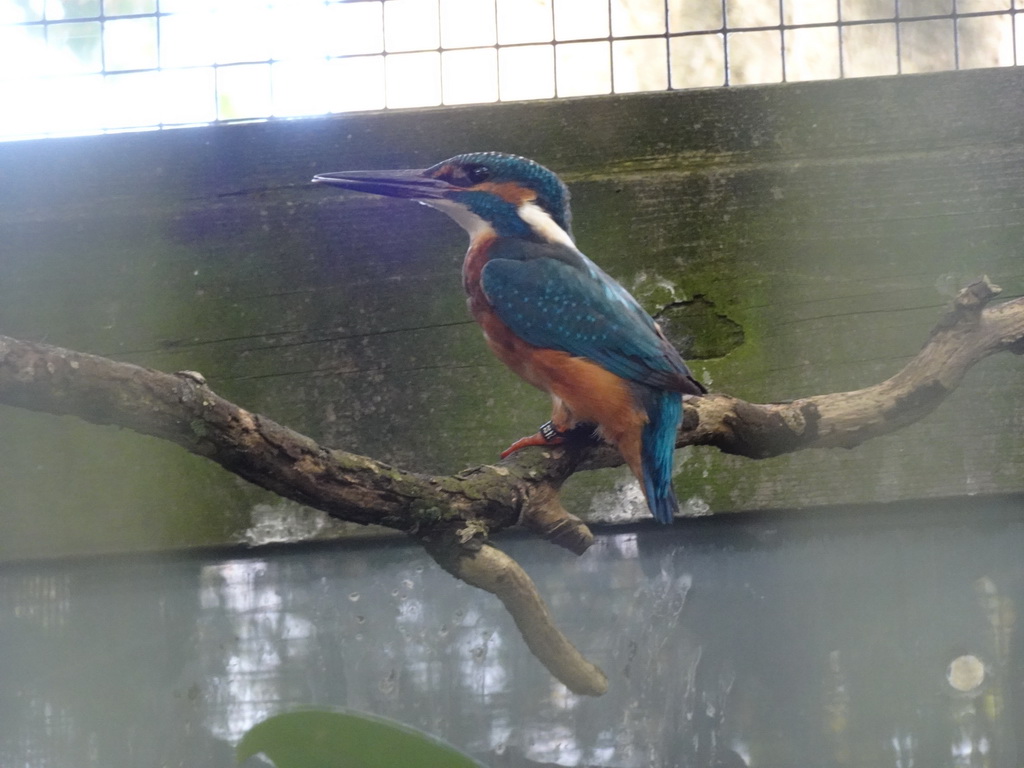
x,y
453,515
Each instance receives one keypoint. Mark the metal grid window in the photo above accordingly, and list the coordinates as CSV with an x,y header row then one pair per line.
x,y
85,66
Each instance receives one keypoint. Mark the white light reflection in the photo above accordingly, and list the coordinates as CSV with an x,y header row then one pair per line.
x,y
283,521
308,57
553,744
42,600
624,503
481,662
625,544
247,639
903,745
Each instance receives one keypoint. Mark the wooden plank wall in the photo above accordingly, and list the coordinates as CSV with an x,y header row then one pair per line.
x,y
796,239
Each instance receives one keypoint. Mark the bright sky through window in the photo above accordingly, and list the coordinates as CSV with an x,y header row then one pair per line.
x,y
85,66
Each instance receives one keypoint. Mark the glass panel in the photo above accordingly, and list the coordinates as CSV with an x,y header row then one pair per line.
x,y
469,76
638,17
986,41
52,105
1019,48
243,91
979,6
812,54
697,61
298,87
411,25
72,9
129,44
581,19
76,47
133,100
467,23
76,104
23,10
355,28
128,7
413,79
20,117
524,21
869,50
808,12
355,83
582,69
925,8
640,65
755,57
926,46
24,48
787,639
526,72
187,40
242,37
695,16
751,13
184,6
190,33
299,30
862,10
188,96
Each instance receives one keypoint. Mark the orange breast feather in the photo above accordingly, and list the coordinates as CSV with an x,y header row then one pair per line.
x,y
584,392
587,392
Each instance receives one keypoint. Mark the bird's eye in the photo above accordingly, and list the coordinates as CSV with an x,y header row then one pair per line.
x,y
478,173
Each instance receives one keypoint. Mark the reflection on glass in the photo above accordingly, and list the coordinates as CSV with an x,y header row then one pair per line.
x,y
583,69
243,91
631,64
132,99
470,75
526,72
581,19
57,10
767,644
524,21
812,54
355,83
420,75
696,16
128,7
354,28
411,25
926,46
254,648
129,44
755,57
83,41
441,51
467,24
697,61
638,17
187,96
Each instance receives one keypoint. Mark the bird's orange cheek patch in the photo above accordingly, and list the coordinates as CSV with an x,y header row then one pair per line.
x,y
512,193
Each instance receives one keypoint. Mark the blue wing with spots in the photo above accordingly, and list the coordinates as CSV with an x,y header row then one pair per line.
x,y
556,298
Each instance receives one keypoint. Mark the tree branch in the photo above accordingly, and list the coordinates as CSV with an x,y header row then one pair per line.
x,y
967,333
453,515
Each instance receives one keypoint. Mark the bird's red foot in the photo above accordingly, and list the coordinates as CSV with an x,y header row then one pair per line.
x,y
548,434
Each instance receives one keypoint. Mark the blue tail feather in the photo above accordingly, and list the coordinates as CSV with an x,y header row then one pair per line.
x,y
658,442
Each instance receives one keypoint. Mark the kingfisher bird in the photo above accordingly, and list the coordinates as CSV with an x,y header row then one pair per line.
x,y
551,314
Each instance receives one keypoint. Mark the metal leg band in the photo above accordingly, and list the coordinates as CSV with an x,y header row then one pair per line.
x,y
549,432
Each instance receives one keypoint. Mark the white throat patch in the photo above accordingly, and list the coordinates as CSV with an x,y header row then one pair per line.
x,y
542,223
462,216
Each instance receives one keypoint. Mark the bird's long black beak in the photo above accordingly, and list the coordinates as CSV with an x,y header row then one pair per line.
x,y
412,185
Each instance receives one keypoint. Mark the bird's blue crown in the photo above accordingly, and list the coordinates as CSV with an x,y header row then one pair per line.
x,y
496,169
